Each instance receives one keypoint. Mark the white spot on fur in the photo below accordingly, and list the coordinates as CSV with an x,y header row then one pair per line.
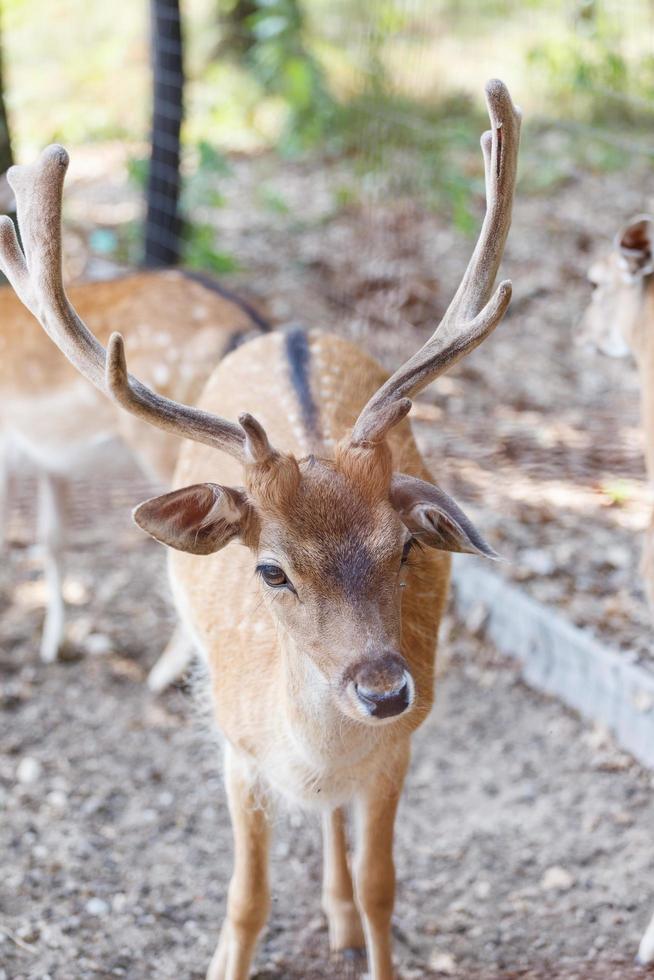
x,y
161,374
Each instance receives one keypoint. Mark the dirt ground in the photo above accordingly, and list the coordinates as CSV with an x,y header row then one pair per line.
x,y
524,841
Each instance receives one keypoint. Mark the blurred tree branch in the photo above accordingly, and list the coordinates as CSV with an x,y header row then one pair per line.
x,y
6,152
162,223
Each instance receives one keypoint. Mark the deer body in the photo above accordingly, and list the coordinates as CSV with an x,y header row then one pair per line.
x,y
272,693
298,737
51,411
619,321
59,422
320,629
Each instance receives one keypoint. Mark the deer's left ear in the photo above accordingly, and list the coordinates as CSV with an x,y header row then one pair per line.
x,y
200,519
635,247
434,518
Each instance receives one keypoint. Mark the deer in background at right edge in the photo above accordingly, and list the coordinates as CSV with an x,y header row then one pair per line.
x,y
320,631
619,320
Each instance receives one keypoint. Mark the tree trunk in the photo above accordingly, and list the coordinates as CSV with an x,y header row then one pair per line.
x,y
6,154
162,224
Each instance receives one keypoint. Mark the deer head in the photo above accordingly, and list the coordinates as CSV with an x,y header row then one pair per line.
x,y
619,279
331,538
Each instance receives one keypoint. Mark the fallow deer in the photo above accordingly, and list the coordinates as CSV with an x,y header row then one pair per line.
x,y
181,326
320,633
618,321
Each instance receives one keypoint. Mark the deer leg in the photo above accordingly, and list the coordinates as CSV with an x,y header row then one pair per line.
x,y
646,948
248,897
9,456
376,808
51,524
4,494
173,662
647,565
345,931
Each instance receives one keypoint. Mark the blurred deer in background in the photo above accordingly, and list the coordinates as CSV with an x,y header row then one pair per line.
x,y
620,320
60,422
320,633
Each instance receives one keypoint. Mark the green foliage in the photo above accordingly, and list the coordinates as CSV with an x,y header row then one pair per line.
x,y
578,74
284,65
199,250
273,201
592,69
137,171
199,190
414,149
389,87
618,492
200,183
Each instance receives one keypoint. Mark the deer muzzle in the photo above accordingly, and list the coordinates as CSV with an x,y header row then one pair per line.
x,y
382,686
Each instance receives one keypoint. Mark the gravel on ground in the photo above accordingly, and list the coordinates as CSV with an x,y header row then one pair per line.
x,y
524,840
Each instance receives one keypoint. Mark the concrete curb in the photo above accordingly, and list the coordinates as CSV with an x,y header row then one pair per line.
x,y
560,659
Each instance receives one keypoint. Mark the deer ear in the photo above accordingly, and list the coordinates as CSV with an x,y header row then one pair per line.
x,y
199,519
434,518
635,246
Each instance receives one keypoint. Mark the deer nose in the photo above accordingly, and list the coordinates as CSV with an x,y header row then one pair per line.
x,y
385,704
384,687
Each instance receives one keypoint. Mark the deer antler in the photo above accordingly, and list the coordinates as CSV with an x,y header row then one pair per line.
x,y
473,313
37,279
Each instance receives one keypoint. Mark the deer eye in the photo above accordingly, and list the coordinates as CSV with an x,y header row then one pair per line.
x,y
408,545
273,576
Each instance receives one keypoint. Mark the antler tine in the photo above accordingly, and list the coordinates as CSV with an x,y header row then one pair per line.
x,y
473,313
191,423
257,447
37,279
36,276
500,149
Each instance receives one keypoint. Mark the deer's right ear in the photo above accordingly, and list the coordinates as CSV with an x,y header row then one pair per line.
x,y
635,246
200,519
434,518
